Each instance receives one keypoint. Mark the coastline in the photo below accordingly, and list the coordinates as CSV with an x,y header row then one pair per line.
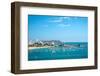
x,y
69,45
29,48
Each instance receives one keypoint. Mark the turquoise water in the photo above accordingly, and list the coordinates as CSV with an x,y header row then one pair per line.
x,y
78,50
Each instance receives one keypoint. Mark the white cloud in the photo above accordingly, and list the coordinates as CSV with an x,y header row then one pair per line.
x,y
62,21
64,25
66,17
59,19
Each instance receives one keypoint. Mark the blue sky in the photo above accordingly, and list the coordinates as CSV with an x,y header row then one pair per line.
x,y
64,28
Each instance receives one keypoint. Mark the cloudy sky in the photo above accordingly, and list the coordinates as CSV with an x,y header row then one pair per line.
x,y
64,28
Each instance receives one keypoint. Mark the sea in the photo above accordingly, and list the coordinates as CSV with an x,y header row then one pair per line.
x,y
71,50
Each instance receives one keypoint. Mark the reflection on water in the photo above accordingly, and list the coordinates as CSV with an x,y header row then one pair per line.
x,y
70,51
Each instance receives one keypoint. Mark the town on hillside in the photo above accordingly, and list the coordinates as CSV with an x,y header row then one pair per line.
x,y
40,43
52,43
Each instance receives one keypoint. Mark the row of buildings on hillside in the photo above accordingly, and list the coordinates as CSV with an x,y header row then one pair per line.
x,y
39,43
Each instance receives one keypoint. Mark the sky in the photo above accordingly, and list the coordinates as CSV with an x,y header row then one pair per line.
x,y
63,28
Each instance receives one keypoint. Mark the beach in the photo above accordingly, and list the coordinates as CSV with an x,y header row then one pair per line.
x,y
39,47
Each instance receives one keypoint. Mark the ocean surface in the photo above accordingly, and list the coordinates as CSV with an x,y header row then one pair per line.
x,y
73,50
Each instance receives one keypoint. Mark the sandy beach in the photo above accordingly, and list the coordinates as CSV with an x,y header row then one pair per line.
x,y
39,47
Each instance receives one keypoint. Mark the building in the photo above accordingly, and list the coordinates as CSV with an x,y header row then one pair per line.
x,y
47,43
